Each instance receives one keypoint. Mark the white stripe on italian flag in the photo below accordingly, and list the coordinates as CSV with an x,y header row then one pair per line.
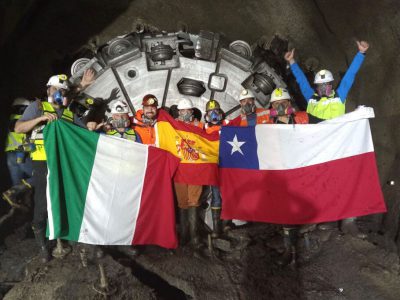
x,y
108,191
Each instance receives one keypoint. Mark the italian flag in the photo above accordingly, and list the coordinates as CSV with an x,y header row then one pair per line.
x,y
108,191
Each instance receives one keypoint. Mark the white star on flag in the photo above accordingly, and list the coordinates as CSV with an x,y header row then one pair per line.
x,y
236,145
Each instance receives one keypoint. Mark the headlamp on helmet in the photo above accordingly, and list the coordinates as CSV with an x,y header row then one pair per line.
x,y
323,76
246,94
279,94
58,81
119,107
150,100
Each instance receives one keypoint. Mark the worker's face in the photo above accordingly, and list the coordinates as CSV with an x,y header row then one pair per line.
x,y
120,120
150,112
214,116
324,89
247,105
51,91
185,114
281,106
280,103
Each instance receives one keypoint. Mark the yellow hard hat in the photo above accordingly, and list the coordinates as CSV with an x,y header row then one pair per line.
x,y
212,104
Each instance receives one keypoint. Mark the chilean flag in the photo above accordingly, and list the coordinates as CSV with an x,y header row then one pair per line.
x,y
298,174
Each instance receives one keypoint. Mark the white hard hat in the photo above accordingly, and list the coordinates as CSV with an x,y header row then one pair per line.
x,y
245,94
279,94
119,107
323,76
185,104
59,81
20,101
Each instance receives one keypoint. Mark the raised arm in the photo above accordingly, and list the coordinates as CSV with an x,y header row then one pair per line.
x,y
301,79
348,79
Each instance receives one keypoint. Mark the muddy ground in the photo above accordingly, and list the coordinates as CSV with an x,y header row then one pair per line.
x,y
339,267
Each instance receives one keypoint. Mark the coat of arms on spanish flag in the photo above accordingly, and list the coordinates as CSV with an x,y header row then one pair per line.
x,y
197,150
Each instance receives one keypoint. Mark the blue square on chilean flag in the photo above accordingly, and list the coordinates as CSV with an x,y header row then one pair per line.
x,y
238,148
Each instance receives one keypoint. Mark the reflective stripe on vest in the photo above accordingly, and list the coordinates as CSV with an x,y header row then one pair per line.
x,y
37,132
326,107
14,140
67,115
129,134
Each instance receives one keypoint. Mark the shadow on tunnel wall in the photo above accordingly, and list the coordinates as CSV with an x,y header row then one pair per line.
x,y
39,39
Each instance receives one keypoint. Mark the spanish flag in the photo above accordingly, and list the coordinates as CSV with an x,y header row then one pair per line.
x,y
197,150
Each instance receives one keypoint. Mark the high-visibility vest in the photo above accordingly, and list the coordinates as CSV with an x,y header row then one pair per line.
x,y
262,116
37,133
146,132
129,134
326,108
210,128
14,140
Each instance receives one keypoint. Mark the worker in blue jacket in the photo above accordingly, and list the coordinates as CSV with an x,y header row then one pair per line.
x,y
324,102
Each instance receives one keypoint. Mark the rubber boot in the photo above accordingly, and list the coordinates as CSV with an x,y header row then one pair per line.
x,y
183,226
12,194
40,238
349,226
193,227
217,223
227,225
289,239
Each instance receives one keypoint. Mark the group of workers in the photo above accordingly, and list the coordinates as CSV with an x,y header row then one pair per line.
x,y
26,156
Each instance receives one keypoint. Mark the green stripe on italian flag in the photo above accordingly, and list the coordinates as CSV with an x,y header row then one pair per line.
x,y
108,191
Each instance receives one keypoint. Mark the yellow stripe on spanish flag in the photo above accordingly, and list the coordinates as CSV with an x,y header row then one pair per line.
x,y
197,150
188,146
